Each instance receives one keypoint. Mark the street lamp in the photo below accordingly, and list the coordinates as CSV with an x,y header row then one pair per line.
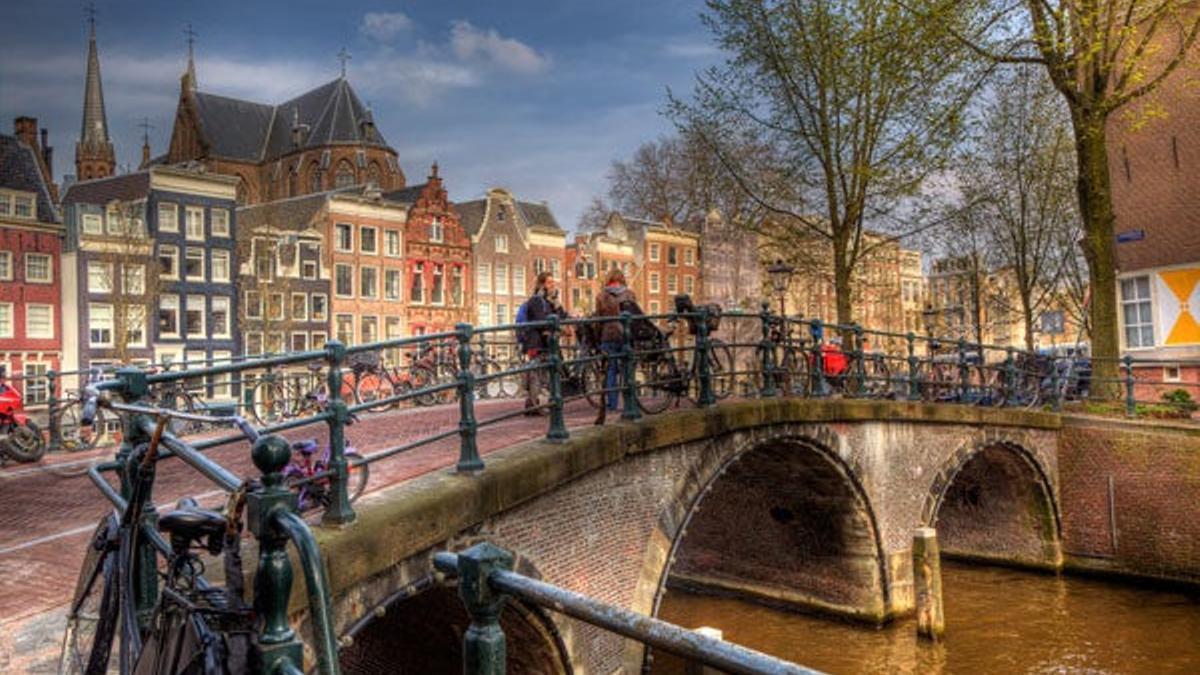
x,y
781,277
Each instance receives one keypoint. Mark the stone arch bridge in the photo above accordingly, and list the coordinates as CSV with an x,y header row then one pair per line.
x,y
797,502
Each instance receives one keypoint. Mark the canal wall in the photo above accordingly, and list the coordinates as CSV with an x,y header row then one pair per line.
x,y
1130,496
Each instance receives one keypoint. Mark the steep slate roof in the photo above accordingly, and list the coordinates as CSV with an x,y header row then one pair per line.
x,y
470,215
296,214
539,216
19,170
258,132
104,190
407,195
536,216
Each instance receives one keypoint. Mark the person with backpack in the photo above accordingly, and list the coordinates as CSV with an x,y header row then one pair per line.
x,y
612,300
534,340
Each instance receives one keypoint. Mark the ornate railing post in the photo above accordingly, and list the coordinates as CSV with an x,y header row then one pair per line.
x,y
914,382
52,416
1130,401
1055,394
767,349
278,644
1010,376
339,511
964,374
558,425
135,389
860,370
821,386
630,410
484,648
469,460
703,353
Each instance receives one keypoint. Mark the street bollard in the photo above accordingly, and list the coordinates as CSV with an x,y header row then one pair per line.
x,y
277,642
558,425
469,460
703,356
914,384
927,584
1130,401
630,410
767,349
484,648
339,511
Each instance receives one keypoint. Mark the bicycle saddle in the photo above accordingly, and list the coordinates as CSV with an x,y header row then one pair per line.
x,y
194,524
307,447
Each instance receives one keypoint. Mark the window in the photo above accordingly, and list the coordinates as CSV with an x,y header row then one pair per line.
x,y
518,274
689,256
135,326
366,240
417,292
689,284
391,284
6,319
438,289
220,317
501,314
483,278
194,316
133,279
501,278
654,282
1171,374
37,390
6,266
39,321
343,237
485,313
168,217
1136,312
37,268
344,176
92,224
308,269
254,343
391,327
539,266
345,329
220,383
195,223
193,264
672,256
254,306
391,243
456,285
437,231
274,343
368,286
220,265
113,220
275,307
672,284
501,212
370,329
654,307
168,261
556,268
655,252
343,276
299,341
100,325
220,222
320,308
300,306
100,277
23,206
168,315
501,243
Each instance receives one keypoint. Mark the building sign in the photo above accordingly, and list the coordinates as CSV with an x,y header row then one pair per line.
x,y
1130,235
1178,293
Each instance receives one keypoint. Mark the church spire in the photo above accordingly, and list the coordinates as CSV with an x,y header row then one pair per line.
x,y
191,67
94,156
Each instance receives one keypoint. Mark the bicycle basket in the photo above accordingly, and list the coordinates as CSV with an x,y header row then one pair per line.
x,y
713,322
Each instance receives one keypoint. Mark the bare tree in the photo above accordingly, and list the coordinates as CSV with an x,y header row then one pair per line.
x,y
124,266
262,243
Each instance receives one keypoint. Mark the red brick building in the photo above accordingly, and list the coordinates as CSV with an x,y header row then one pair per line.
x,y
30,270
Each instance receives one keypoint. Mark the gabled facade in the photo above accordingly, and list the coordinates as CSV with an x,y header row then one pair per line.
x,y
730,272
152,258
439,292
30,270
667,259
511,243
366,236
592,255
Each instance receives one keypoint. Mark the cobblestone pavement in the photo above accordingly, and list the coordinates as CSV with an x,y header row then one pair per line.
x,y
47,518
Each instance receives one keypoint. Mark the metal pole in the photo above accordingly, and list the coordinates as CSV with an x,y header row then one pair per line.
x,y
1010,377
468,450
339,511
630,410
703,354
767,347
135,390
914,384
53,419
484,645
860,371
820,384
558,425
1130,402
963,375
1055,394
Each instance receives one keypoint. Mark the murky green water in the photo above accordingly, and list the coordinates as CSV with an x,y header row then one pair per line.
x,y
997,621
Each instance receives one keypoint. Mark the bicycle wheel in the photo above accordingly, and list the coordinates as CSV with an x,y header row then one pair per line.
x,y
75,436
92,615
792,377
592,375
372,387
659,384
268,403
25,442
722,367
360,473
876,379
421,378
180,402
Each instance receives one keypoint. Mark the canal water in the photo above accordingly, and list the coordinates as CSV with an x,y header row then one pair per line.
x,y
997,621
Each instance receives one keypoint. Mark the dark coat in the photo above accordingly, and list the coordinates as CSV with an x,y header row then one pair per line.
x,y
608,303
539,308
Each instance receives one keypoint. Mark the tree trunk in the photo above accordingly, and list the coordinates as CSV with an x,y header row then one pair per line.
x,y
1099,249
842,283
1027,316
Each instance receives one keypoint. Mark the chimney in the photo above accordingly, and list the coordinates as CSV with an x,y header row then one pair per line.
x,y
47,154
25,128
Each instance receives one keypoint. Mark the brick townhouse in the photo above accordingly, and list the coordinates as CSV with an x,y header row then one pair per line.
x,y
591,256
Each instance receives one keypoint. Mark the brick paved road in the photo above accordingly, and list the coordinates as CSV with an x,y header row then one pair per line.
x,y
47,519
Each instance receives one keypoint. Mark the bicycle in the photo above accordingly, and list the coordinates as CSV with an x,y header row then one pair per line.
x,y
790,375
307,478
718,354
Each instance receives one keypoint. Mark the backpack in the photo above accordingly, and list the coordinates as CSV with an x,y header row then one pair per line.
x,y
523,334
641,329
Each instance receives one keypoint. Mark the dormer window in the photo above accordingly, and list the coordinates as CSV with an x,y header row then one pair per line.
x,y
501,213
436,231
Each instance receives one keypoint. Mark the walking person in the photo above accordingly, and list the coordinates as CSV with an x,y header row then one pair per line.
x,y
534,340
612,300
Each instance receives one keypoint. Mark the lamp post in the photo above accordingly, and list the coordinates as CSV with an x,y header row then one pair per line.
x,y
781,277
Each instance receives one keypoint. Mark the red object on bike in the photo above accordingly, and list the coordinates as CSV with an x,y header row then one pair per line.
x,y
834,359
12,406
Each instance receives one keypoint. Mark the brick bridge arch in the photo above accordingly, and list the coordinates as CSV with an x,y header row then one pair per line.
x,y
605,512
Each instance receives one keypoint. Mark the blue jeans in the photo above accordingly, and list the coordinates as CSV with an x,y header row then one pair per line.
x,y
613,350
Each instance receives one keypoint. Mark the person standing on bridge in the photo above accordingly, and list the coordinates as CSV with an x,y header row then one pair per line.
x,y
614,299
534,340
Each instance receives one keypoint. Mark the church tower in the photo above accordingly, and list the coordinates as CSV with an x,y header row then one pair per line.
x,y
94,155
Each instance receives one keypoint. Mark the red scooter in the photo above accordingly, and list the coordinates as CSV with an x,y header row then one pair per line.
x,y
20,437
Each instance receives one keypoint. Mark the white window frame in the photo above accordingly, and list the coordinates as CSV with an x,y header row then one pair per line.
x,y
221,254
362,248
91,223
312,310
191,302
187,257
7,320
6,266
399,276
171,299
49,321
92,307
173,250
212,311
1172,373
337,322
282,316
256,307
223,229
292,341
362,328
655,253
392,237
501,243
302,315
314,342
519,283
337,237
29,278
104,275
689,256
130,312
188,222
221,383
173,209
36,389
483,278
655,282
362,288
1149,300
247,340
336,292
437,230
484,313
500,282
139,275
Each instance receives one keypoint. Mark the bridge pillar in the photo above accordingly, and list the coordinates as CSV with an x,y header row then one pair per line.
x,y
927,584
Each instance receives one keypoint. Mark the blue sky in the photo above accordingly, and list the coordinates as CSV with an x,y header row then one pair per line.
x,y
536,96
